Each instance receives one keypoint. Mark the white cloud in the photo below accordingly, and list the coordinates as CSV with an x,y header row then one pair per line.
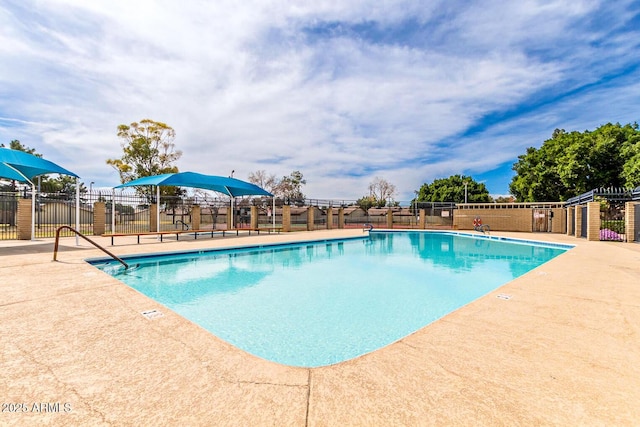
x,y
343,91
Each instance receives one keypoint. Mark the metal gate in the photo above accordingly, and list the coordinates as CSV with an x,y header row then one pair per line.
x,y
542,220
583,225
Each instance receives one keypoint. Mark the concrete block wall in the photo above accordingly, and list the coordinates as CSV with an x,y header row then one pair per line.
x,y
632,229
559,222
497,219
23,220
593,221
571,218
311,213
99,218
286,218
195,217
153,218
510,218
422,222
578,219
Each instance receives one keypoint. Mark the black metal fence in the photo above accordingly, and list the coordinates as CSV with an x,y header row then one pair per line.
x,y
612,221
612,205
8,216
131,212
53,210
127,211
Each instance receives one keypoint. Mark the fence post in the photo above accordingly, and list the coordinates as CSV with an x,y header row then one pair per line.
x,y
329,218
571,220
24,219
341,217
99,218
228,218
254,217
593,221
389,218
577,231
311,212
195,217
422,219
629,221
153,217
286,218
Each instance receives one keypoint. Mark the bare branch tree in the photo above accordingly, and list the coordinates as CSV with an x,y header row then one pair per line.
x,y
263,180
381,189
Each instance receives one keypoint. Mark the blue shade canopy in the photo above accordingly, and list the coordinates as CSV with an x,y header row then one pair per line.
x,y
229,186
24,167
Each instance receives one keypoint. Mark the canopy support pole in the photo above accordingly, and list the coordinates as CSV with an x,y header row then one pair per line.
x,y
33,210
158,210
77,210
232,213
113,210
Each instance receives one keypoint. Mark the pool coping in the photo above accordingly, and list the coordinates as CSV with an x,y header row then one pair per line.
x,y
563,349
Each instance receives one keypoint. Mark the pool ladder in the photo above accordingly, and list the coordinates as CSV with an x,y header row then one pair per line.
x,y
55,246
364,227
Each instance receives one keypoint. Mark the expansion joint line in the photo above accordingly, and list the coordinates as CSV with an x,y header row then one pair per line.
x,y
306,418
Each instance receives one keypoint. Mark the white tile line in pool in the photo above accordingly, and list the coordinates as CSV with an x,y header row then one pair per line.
x,y
302,242
489,237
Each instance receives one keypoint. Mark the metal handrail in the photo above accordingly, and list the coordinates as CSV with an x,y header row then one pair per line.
x,y
367,225
55,246
185,226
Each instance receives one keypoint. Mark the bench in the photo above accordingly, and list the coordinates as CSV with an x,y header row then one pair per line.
x,y
256,230
161,234
194,232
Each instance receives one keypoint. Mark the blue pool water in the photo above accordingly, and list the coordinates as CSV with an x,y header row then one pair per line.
x,y
318,303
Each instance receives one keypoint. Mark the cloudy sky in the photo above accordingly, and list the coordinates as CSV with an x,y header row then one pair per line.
x,y
343,91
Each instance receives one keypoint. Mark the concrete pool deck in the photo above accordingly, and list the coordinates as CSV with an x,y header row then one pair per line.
x,y
564,349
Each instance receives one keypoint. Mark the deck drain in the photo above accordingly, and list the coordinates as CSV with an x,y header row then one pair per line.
x,y
152,314
503,296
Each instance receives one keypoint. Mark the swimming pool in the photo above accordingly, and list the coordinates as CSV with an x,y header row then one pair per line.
x,y
318,303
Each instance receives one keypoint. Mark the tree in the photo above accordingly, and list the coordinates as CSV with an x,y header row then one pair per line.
x,y
572,163
263,180
505,199
290,187
367,202
452,189
17,145
381,190
630,151
148,150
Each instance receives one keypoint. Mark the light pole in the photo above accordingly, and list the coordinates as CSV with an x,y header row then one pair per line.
x,y
231,197
465,191
90,194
